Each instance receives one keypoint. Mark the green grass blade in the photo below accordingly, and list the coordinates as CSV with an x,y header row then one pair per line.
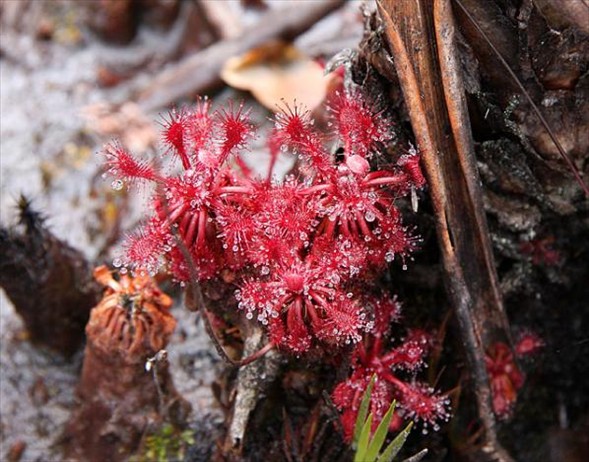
x,y
380,434
362,445
363,411
417,457
392,449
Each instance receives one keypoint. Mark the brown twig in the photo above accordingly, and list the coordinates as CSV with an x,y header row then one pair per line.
x,y
421,39
216,342
252,380
200,72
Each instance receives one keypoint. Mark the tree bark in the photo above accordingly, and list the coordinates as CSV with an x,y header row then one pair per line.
x,y
421,39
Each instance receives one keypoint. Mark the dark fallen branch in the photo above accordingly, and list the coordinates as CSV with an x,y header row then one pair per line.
x,y
421,39
251,385
200,72
49,282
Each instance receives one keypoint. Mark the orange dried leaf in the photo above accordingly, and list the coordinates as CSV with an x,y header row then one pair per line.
x,y
277,71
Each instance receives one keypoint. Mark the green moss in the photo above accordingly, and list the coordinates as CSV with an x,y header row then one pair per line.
x,y
167,444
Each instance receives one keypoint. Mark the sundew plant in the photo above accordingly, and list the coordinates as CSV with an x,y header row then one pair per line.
x,y
304,253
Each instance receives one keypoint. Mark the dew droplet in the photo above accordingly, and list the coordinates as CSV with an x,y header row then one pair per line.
x,y
370,217
117,185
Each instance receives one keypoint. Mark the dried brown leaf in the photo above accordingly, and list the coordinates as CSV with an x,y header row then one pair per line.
x,y
277,71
